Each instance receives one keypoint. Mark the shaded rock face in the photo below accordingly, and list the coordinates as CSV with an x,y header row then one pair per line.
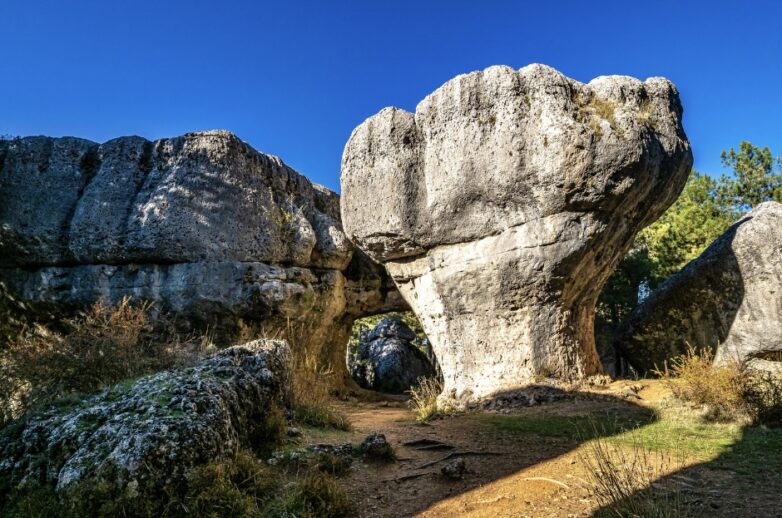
x,y
728,300
388,361
501,206
221,235
149,434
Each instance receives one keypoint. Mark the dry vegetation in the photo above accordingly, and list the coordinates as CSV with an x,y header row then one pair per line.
x,y
624,480
108,345
102,347
728,391
423,400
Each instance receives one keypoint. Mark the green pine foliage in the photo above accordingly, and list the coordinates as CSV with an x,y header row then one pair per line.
x,y
704,211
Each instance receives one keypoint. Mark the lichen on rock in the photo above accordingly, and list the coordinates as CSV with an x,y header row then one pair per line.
x,y
143,435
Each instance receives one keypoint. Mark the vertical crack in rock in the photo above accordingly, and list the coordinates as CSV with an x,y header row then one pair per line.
x,y
501,206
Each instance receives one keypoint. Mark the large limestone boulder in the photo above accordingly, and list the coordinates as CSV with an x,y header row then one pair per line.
x,y
387,360
501,206
728,300
224,237
139,438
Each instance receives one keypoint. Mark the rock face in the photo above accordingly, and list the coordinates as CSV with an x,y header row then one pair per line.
x,y
223,236
501,206
149,434
728,300
388,361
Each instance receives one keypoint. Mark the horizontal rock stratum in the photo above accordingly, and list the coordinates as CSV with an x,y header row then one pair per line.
x,y
224,237
501,206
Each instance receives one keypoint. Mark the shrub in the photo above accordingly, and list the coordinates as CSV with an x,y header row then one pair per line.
x,y
99,348
625,482
729,390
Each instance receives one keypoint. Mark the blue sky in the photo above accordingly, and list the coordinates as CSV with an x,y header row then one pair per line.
x,y
294,78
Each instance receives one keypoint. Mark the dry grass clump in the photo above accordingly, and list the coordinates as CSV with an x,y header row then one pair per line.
x,y
99,348
317,495
592,110
237,488
729,391
312,401
626,480
241,486
424,400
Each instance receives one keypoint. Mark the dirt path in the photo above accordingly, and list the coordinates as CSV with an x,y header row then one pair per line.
x,y
509,475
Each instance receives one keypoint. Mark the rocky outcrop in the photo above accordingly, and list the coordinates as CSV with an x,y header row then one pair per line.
x,y
728,300
504,202
387,360
222,236
139,438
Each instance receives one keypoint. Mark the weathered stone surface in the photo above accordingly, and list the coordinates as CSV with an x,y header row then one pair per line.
x,y
388,361
203,196
223,236
502,205
728,300
150,433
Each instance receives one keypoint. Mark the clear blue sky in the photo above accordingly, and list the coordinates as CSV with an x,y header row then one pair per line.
x,y
294,78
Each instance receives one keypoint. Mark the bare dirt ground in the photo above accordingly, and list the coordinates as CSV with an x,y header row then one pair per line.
x,y
531,473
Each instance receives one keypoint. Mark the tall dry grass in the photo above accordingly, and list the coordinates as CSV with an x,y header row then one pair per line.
x,y
625,481
101,347
311,383
729,391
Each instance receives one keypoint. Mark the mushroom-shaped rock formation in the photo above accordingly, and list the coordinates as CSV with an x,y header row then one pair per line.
x,y
503,204
728,300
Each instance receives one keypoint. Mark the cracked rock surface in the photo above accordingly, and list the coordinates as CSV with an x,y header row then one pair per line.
x,y
727,300
501,206
224,237
151,432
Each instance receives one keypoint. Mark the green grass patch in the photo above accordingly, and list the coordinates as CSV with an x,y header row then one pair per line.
x,y
732,446
320,415
576,428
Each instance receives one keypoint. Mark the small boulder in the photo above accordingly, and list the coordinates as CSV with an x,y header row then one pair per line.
x,y
388,361
376,446
132,439
454,469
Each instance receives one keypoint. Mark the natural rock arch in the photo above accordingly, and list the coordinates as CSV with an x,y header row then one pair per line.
x,y
203,225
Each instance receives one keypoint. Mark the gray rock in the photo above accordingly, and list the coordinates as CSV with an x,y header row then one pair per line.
x,y
454,469
224,237
501,206
376,446
152,432
728,300
388,361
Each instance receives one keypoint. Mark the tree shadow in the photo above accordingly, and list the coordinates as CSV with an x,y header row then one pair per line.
x,y
744,480
527,429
